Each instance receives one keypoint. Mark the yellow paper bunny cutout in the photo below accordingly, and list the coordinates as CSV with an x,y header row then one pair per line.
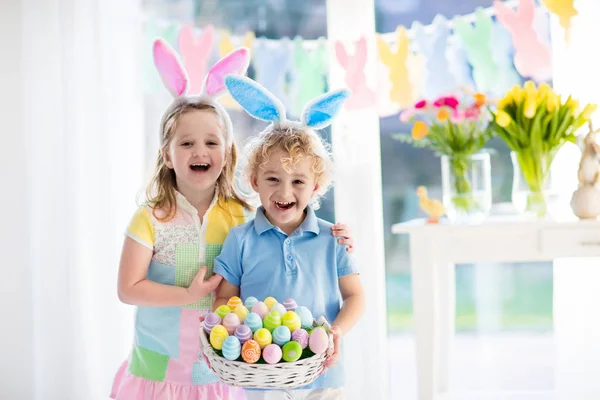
x,y
396,62
226,46
565,10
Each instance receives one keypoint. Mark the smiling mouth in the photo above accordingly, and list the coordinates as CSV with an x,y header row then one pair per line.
x,y
284,205
199,167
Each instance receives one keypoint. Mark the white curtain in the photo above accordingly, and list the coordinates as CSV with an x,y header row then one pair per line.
x,y
72,131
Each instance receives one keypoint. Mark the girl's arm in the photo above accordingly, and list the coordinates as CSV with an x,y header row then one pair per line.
x,y
345,236
353,306
134,288
224,292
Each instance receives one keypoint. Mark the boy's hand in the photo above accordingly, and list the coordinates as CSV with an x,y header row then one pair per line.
x,y
333,358
200,288
345,234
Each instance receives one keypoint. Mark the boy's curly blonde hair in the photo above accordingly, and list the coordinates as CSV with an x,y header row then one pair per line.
x,y
297,142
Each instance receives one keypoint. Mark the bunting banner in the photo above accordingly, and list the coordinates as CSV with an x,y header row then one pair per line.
x,y
487,51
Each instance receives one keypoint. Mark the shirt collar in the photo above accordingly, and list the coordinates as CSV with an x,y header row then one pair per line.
x,y
184,204
310,223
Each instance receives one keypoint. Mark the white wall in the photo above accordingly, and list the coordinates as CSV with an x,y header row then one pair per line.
x,y
16,325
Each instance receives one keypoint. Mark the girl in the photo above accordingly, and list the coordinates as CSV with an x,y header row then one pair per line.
x,y
192,203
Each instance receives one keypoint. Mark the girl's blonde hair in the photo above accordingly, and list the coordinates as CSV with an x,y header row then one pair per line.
x,y
160,193
297,142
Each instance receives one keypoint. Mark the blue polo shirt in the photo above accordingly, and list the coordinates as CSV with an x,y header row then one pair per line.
x,y
263,261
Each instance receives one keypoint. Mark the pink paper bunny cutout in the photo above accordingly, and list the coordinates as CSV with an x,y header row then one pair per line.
x,y
195,53
532,57
356,80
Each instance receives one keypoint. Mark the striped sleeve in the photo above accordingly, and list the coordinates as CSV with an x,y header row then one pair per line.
x,y
141,228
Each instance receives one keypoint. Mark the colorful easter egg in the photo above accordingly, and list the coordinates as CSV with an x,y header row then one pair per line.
x,y
291,351
301,336
272,320
231,322
318,341
218,336
251,352
270,302
272,354
250,302
233,302
279,308
261,309
222,311
291,320
254,321
281,335
243,333
263,337
306,317
290,305
232,348
210,321
241,311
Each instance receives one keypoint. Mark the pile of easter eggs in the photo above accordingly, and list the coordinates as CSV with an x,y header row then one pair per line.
x,y
247,331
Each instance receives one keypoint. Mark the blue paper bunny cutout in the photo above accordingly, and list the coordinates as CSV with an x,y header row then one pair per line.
x,y
273,64
438,79
458,63
261,104
503,57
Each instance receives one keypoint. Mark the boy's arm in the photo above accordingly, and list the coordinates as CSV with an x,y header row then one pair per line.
x,y
228,264
353,306
224,292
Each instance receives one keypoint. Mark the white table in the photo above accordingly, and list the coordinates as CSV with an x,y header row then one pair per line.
x,y
436,248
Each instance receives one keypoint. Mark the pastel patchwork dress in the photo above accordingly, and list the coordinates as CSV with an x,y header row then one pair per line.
x,y
165,362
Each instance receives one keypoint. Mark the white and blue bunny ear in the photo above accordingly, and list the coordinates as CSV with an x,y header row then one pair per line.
x,y
255,99
320,112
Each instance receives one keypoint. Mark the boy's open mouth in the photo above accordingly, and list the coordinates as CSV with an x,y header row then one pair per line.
x,y
199,167
284,205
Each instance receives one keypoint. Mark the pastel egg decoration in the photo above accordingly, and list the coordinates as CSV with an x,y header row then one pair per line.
x,y
263,337
272,320
232,348
254,321
241,311
279,308
292,351
218,336
270,302
231,322
301,336
306,317
243,333
233,302
291,320
261,309
318,340
210,321
222,311
272,354
290,305
251,352
250,302
281,335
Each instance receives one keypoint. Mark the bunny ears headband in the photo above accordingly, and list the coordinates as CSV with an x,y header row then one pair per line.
x,y
261,104
177,82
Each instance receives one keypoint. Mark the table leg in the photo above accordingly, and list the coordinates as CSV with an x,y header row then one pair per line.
x,y
433,293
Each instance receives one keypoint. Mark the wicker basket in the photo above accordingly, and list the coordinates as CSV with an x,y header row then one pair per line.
x,y
283,375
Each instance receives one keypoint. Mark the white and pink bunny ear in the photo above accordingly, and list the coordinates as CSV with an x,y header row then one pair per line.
x,y
236,62
170,69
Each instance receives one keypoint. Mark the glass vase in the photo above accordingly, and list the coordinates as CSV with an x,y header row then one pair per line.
x,y
467,187
532,183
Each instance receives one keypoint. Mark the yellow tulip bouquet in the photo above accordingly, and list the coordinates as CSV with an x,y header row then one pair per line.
x,y
453,127
535,123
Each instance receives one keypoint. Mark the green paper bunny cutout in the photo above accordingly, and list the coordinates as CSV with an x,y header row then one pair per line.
x,y
477,41
310,73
